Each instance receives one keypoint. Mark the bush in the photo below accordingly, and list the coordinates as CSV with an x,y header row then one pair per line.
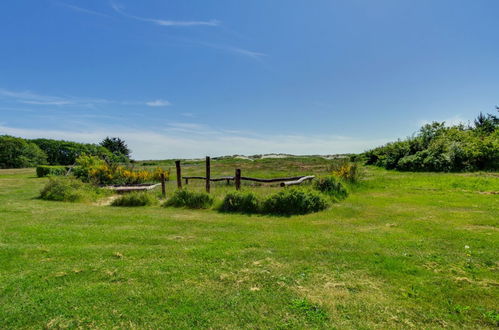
x,y
19,153
95,170
294,201
242,202
331,186
135,199
348,172
439,148
189,199
69,189
45,170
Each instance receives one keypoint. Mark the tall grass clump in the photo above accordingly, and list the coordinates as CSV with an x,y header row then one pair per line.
x,y
190,199
332,187
240,202
70,189
294,201
135,199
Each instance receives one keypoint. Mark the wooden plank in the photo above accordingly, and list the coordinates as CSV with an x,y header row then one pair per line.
x,y
211,179
133,188
243,178
299,181
271,180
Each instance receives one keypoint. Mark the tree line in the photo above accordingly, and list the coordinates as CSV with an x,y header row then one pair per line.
x,y
16,152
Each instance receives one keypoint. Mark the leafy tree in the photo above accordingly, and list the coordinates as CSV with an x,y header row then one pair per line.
x,y
61,152
18,153
486,123
117,146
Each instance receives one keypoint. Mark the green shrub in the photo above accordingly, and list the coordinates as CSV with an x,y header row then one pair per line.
x,y
242,202
294,201
135,199
190,199
70,189
331,186
45,170
439,148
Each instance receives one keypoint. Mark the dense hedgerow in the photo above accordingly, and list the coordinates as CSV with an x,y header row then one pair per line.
x,y
135,199
190,199
19,153
66,152
70,189
331,186
241,202
439,148
294,201
46,170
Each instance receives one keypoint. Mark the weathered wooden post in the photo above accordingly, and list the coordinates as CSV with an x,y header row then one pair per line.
x,y
238,179
208,172
179,174
163,185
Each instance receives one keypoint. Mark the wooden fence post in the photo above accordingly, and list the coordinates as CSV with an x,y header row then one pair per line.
x,y
179,174
208,174
163,185
238,179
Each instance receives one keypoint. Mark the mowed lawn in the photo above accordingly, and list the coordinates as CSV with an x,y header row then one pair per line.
x,y
394,254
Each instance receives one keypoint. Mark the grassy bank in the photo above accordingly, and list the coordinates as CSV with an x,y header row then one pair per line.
x,y
394,254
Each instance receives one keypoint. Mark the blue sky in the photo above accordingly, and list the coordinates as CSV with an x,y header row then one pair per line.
x,y
185,78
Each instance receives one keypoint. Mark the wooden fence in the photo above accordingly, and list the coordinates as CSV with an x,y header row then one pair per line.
x,y
237,178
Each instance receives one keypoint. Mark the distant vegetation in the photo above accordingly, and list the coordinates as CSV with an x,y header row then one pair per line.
x,y
18,152
439,148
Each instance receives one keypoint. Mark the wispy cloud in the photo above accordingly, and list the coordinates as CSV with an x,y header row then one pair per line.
x,y
158,103
120,10
178,141
81,10
28,97
244,52
229,49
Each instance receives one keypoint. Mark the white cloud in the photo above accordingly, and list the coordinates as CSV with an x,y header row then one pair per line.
x,y
158,103
230,49
28,97
119,9
82,10
245,52
178,141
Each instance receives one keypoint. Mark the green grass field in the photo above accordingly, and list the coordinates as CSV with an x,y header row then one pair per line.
x,y
392,255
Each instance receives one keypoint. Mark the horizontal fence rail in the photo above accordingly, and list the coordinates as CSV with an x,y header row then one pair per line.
x,y
298,179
